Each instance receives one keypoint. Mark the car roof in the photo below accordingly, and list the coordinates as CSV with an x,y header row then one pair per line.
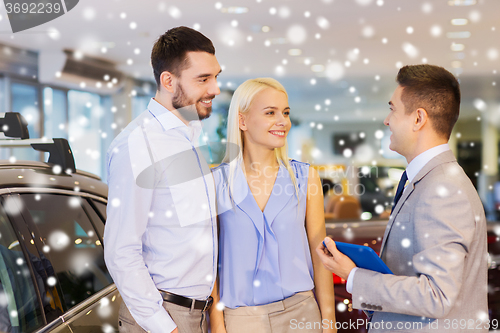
x,y
39,175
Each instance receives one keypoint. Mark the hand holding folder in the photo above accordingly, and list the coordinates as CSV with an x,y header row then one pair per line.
x,y
363,257
348,256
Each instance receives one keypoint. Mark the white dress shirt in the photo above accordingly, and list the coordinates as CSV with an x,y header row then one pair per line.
x,y
161,230
412,170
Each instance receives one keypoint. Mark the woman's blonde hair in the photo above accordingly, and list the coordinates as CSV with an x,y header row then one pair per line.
x,y
240,103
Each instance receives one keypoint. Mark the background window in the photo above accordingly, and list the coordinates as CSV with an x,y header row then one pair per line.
x,y
139,105
55,116
25,101
3,97
84,118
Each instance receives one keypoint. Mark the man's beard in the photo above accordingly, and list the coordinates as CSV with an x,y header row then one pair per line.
x,y
188,109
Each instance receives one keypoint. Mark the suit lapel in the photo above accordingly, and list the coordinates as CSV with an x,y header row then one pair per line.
x,y
445,157
406,193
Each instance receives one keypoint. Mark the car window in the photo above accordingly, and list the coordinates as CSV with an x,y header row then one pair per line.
x,y
19,305
71,243
101,207
94,215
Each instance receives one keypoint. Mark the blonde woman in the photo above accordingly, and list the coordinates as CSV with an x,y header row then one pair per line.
x,y
271,218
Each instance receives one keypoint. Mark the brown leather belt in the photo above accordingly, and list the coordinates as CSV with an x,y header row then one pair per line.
x,y
186,302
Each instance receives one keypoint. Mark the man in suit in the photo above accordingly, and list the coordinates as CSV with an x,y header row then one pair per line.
x,y
435,242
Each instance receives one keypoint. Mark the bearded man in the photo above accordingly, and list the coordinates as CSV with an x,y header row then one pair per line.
x,y
160,239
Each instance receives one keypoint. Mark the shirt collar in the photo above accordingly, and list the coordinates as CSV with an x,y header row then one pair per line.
x,y
421,160
169,121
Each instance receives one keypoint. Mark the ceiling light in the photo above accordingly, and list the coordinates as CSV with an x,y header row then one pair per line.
x,y
460,21
461,2
278,41
78,55
234,10
457,47
266,28
318,68
458,34
295,52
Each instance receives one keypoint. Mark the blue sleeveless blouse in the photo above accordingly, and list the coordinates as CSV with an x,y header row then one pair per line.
x,y
264,257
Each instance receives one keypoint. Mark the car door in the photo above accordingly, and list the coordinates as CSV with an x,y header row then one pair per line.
x,y
21,273
62,224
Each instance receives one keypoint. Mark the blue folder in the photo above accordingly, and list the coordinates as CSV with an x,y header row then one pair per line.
x,y
363,257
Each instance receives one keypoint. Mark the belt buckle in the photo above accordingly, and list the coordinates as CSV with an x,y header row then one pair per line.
x,y
208,303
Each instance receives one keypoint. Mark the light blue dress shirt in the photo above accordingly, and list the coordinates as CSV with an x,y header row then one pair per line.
x,y
264,256
161,230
